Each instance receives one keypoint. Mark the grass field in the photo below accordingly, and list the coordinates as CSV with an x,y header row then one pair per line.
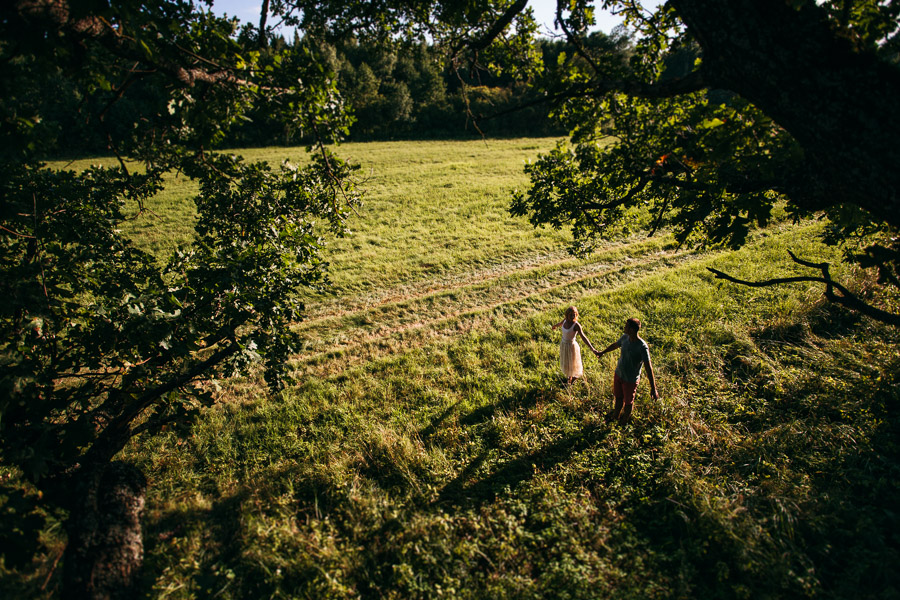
x,y
431,448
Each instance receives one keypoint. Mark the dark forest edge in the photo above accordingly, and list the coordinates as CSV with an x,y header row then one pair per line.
x,y
395,90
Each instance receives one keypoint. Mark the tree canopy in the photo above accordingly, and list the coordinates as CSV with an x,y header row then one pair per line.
x,y
100,341
719,112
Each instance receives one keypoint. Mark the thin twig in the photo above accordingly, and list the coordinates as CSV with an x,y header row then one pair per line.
x,y
330,172
40,249
662,213
640,185
52,569
21,235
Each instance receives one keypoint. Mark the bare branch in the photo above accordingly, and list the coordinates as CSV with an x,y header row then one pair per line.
x,y
492,33
676,86
766,283
662,213
743,186
263,17
334,181
844,297
21,235
40,251
640,185
821,266
114,437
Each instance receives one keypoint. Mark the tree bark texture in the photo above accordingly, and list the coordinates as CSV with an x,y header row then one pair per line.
x,y
105,548
839,103
263,17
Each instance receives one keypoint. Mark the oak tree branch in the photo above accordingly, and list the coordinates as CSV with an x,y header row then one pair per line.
x,y
844,297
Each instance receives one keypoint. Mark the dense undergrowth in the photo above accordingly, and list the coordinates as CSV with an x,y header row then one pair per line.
x,y
768,469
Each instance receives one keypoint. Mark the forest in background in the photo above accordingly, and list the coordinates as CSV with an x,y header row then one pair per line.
x,y
395,90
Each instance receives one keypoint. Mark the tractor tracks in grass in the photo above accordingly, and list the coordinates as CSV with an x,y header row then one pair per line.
x,y
348,305
525,265
397,320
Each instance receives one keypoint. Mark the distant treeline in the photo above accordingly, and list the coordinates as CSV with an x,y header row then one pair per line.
x,y
396,91
402,92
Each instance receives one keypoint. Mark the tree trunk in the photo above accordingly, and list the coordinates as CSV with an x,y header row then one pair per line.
x,y
263,17
839,103
105,549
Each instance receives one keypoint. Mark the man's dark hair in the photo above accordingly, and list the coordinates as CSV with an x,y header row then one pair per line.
x,y
634,324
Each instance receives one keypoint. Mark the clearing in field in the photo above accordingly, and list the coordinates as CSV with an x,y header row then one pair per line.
x,y
431,448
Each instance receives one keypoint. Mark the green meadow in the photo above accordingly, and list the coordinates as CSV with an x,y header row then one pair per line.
x,y
432,449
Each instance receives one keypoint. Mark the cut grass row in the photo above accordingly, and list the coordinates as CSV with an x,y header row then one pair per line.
x,y
431,210
358,333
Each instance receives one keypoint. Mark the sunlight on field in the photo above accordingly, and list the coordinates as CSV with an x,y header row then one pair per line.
x,y
435,208
430,208
430,447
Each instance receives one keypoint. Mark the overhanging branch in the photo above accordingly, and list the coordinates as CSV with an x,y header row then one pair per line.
x,y
621,200
118,432
834,291
57,15
491,34
733,185
676,86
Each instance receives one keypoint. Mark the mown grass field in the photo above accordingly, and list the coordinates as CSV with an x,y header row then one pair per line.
x,y
431,448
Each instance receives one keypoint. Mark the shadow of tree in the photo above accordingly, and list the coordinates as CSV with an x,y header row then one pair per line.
x,y
224,539
219,528
521,400
834,513
817,485
462,491
375,576
435,424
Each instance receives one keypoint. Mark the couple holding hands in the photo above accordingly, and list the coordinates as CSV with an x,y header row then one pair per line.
x,y
634,355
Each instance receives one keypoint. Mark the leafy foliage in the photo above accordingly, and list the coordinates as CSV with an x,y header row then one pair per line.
x,y
100,341
709,122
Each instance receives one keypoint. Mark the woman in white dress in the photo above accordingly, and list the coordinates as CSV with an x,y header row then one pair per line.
x,y
569,351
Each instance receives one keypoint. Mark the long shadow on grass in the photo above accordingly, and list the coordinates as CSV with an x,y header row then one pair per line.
x,y
436,422
817,473
523,400
375,576
220,533
464,490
